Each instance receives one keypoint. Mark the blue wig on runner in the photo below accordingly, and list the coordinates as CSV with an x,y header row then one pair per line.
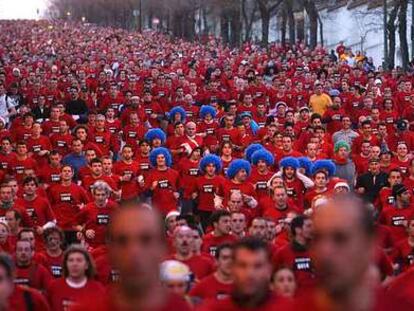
x,y
289,162
237,165
307,164
156,133
324,165
264,155
156,152
210,159
206,109
248,152
176,110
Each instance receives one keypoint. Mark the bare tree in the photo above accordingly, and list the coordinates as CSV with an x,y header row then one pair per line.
x,y
402,32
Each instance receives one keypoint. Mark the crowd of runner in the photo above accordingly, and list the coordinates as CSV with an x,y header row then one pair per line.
x,y
250,155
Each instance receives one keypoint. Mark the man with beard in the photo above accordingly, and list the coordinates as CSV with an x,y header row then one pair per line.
x,y
344,250
251,270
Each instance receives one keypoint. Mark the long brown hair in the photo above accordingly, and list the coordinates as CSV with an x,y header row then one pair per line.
x,y
90,272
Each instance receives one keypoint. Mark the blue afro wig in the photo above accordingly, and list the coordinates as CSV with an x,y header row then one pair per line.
x,y
307,164
157,151
237,165
155,133
250,150
206,109
210,159
179,110
262,154
325,165
289,162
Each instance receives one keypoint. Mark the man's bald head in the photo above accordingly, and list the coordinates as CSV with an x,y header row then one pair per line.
x,y
343,234
136,245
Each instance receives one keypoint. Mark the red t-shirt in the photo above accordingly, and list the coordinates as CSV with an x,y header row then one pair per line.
x,y
39,210
272,303
210,242
129,188
206,188
211,288
35,275
65,201
61,296
52,264
108,303
17,301
97,219
298,259
163,194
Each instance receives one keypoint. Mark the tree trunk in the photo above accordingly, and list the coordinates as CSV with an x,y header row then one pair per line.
x,y
291,21
224,27
235,25
402,32
313,22
283,27
248,19
391,36
265,26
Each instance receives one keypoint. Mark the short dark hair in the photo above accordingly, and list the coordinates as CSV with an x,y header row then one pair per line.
x,y
24,230
90,272
297,222
29,179
252,244
222,247
215,216
52,230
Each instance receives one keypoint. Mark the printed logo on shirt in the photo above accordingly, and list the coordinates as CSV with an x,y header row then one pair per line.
x,y
102,219
221,296
21,281
212,250
56,271
4,165
67,304
336,117
30,211
193,171
55,177
210,131
398,221
390,200
261,185
61,143
144,166
148,110
19,169
114,277
226,137
37,148
65,197
99,139
208,188
163,184
132,134
403,169
302,264
291,192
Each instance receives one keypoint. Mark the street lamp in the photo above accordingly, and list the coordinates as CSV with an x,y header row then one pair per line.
x,y
68,13
83,19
